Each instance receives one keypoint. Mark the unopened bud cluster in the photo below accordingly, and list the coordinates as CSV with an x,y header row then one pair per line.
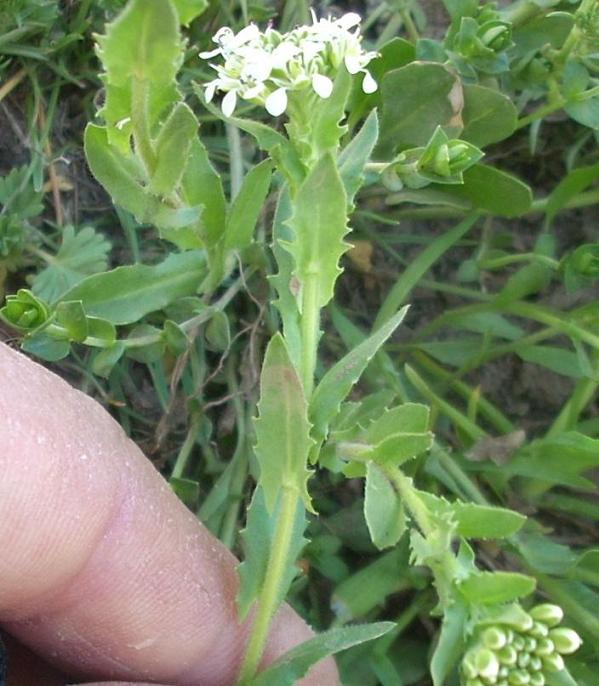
x,y
520,656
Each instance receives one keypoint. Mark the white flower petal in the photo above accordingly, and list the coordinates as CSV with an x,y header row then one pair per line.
x,y
210,91
353,63
228,103
210,53
276,103
369,85
349,20
322,85
247,35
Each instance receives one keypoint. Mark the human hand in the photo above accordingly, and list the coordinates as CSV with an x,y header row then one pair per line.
x,y
103,572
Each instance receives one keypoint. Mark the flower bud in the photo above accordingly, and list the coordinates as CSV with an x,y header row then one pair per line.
x,y
545,647
507,655
530,644
566,640
553,662
536,664
523,660
468,666
518,642
486,663
519,677
494,638
551,615
537,679
475,682
24,311
539,630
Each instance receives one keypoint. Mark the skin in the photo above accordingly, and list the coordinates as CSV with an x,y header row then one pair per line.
x,y
103,572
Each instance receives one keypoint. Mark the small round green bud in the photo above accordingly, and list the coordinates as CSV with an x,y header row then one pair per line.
x,y
468,666
486,663
539,630
507,655
536,664
494,638
566,640
475,682
503,682
537,679
510,635
551,615
530,644
545,647
503,672
553,662
523,660
518,642
519,677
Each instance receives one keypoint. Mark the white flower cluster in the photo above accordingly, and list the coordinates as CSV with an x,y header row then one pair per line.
x,y
264,66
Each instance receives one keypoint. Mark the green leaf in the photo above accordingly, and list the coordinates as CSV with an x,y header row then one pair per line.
x,y
560,361
416,99
143,45
188,10
247,206
405,418
44,346
326,128
383,510
172,149
282,280
450,645
319,224
71,316
493,190
370,586
282,428
100,332
201,186
489,116
418,267
105,360
257,540
338,381
296,663
476,521
356,154
186,490
218,332
569,187
125,294
399,448
81,254
490,588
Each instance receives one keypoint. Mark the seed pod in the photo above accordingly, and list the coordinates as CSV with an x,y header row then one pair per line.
x,y
553,662
566,640
551,615
545,647
494,638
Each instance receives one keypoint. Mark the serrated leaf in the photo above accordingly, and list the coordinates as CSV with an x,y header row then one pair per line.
x,y
319,224
338,381
143,45
172,149
490,588
125,294
247,206
327,130
282,428
17,194
476,521
81,253
405,418
257,538
450,645
383,510
295,664
355,155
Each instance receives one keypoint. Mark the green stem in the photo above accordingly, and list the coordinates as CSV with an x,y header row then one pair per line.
x,y
186,448
141,125
310,322
269,596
